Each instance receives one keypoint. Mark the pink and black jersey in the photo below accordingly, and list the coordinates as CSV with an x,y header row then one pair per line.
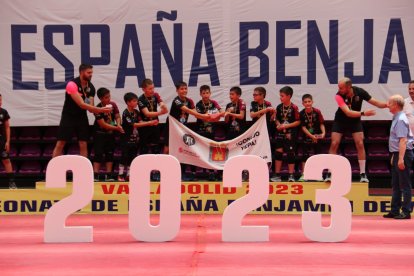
x,y
131,134
255,106
212,107
286,115
108,118
4,116
71,111
176,111
312,121
237,125
353,103
151,103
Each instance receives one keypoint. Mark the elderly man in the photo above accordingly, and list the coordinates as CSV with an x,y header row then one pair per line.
x,y
348,119
409,105
401,149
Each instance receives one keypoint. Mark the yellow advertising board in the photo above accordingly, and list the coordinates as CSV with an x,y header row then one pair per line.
x,y
196,198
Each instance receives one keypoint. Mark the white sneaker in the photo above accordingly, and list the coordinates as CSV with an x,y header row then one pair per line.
x,y
327,177
276,178
12,185
364,178
291,178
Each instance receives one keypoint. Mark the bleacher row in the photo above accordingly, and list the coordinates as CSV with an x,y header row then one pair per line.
x,y
31,149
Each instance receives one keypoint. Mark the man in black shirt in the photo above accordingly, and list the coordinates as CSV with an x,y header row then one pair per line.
x,y
348,119
79,96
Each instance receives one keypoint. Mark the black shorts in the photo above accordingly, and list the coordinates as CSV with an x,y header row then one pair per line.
x,y
3,153
129,152
149,135
70,126
347,127
288,145
310,149
104,146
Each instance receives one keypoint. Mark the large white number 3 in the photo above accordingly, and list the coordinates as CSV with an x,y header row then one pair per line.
x,y
232,230
54,225
341,212
139,198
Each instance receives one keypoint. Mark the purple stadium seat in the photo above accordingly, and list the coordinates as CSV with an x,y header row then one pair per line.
x,y
380,150
354,166
73,149
378,167
50,134
13,135
377,133
48,151
30,167
350,150
13,151
30,150
30,134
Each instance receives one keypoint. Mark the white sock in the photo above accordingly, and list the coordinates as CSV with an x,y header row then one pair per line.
x,y
362,166
121,169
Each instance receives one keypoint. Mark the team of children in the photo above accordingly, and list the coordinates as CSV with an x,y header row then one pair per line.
x,y
140,133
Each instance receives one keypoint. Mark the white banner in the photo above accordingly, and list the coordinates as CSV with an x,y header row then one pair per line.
x,y
308,45
191,148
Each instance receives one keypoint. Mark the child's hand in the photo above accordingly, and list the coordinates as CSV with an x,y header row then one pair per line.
x,y
270,109
215,117
154,122
164,109
120,129
7,147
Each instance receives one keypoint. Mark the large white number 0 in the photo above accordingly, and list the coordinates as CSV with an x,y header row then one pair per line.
x,y
139,198
232,230
341,212
54,225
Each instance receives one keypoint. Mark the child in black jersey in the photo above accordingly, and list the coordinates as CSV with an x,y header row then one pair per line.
x,y
148,104
131,121
235,114
287,122
313,127
181,108
105,126
206,128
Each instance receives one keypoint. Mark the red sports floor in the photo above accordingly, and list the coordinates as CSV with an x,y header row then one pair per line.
x,y
376,246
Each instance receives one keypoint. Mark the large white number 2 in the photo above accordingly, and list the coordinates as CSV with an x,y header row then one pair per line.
x,y
341,212
139,198
232,230
54,225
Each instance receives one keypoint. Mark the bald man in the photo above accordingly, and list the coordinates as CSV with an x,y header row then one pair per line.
x,y
401,149
348,120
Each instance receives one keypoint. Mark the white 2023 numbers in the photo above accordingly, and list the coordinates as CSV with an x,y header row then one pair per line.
x,y
170,213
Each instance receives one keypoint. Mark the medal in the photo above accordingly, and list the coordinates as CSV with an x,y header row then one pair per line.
x,y
182,119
